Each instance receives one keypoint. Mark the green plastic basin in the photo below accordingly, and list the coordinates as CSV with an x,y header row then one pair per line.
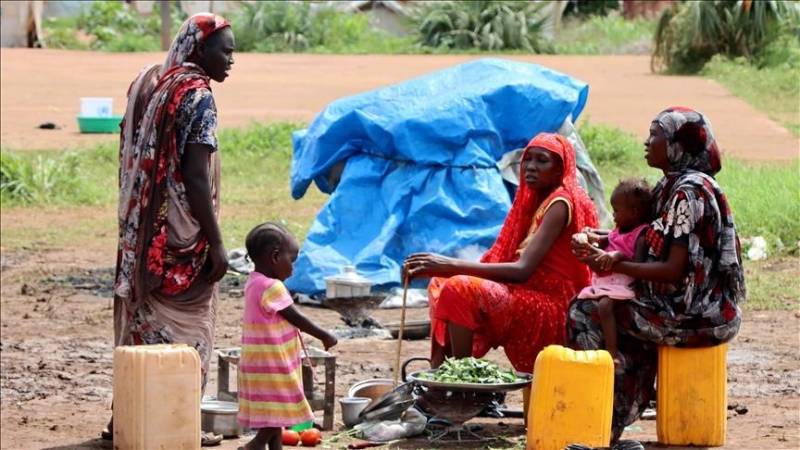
x,y
99,124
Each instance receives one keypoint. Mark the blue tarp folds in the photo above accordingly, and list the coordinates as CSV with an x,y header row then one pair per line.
x,y
420,164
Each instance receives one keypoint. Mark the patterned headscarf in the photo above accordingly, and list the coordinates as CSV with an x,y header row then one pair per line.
x,y
527,201
690,140
195,29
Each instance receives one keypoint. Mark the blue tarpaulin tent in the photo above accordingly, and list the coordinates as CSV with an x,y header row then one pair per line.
x,y
412,167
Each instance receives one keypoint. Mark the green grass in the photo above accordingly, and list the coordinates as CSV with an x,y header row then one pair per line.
x,y
605,35
77,191
772,284
772,89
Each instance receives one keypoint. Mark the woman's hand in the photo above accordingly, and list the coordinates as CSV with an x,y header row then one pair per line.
x,y
218,260
421,265
582,247
606,260
592,260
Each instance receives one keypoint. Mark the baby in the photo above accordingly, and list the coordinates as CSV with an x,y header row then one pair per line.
x,y
631,201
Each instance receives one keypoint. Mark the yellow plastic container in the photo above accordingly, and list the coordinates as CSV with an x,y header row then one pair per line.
x,y
692,396
572,397
156,397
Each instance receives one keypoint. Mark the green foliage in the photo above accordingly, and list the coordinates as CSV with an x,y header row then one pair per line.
x,y
605,35
589,8
772,89
691,33
297,27
471,370
61,33
37,179
109,26
483,25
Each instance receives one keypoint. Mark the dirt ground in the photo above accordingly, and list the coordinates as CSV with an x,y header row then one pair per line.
x,y
55,306
56,353
45,86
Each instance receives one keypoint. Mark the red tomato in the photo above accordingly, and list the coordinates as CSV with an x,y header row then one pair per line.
x,y
310,437
290,437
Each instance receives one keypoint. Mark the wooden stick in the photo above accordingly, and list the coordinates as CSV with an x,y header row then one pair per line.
x,y
400,333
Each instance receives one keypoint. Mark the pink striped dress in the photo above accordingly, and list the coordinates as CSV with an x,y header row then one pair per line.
x,y
270,375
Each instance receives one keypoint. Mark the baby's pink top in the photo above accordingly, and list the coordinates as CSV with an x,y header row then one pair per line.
x,y
624,243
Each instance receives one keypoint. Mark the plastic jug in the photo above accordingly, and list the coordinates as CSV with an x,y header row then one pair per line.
x,y
692,396
572,396
156,397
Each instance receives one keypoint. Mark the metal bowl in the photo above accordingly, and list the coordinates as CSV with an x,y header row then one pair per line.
x,y
372,389
415,329
219,417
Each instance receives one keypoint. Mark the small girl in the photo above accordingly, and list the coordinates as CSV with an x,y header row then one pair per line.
x,y
631,201
270,378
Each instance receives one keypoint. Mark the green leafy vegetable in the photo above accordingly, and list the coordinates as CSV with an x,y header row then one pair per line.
x,y
470,370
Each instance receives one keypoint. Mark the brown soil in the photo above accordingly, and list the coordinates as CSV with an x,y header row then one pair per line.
x,y
45,86
56,360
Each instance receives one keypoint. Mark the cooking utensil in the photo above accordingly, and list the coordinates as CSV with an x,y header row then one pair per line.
x,y
372,389
400,333
415,329
219,417
351,408
347,284
390,405
416,377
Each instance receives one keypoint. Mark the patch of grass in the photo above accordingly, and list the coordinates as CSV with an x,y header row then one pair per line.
x,y
255,185
772,284
605,35
772,89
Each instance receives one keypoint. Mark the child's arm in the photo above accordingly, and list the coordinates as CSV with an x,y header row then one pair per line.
x,y
298,319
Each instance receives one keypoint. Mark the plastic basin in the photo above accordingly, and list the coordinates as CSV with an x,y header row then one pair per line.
x,y
99,124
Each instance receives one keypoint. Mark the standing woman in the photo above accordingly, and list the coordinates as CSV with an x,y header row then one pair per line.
x,y
517,296
692,282
170,254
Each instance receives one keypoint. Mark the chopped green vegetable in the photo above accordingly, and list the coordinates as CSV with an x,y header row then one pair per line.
x,y
470,370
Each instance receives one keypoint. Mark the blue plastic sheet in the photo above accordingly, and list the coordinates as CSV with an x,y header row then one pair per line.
x,y
419,162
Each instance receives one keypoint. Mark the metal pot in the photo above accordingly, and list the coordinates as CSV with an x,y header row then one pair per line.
x,y
347,284
351,408
219,417
371,388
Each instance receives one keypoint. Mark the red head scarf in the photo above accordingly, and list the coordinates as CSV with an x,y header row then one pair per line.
x,y
527,201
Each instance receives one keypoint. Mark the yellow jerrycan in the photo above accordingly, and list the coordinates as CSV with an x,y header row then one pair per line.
x,y
692,397
156,397
571,399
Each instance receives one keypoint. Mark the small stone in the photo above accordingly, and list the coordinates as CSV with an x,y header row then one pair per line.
x,y
741,410
54,428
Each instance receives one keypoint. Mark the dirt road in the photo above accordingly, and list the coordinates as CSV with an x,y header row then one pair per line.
x,y
56,350
45,86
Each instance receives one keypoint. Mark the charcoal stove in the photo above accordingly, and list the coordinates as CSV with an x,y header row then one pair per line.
x,y
456,403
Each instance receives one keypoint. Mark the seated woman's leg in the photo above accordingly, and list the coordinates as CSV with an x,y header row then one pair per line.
x,y
456,318
634,379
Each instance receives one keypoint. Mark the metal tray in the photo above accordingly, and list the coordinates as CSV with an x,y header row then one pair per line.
x,y
473,387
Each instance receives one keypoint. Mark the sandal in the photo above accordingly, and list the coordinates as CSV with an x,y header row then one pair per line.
x,y
627,445
208,439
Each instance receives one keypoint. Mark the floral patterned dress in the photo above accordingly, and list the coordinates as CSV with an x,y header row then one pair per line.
x,y
160,293
701,310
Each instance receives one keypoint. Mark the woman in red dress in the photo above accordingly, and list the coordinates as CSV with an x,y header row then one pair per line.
x,y
517,295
